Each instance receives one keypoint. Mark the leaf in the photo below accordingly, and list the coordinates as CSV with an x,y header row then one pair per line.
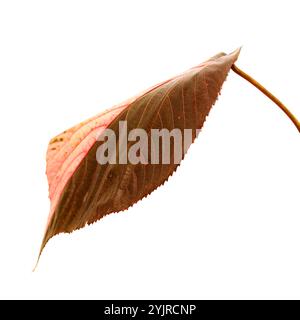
x,y
82,191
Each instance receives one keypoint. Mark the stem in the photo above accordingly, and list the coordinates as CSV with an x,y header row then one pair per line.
x,y
268,94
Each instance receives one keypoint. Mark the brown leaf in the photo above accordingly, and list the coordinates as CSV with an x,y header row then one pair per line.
x,y
82,191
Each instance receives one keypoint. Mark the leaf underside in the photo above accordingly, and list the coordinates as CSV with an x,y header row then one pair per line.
x,y
82,191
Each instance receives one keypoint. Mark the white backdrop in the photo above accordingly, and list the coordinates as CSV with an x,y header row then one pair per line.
x,y
226,225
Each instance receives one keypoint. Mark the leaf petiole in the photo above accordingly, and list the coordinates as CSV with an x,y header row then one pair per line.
x,y
268,94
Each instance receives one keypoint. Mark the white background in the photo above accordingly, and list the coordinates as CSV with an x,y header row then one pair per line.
x,y
226,225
